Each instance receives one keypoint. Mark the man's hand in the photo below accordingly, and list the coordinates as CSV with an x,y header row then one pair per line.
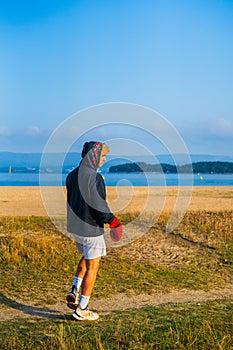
x,y
115,230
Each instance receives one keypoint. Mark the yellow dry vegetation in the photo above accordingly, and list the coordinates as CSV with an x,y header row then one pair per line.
x,y
26,201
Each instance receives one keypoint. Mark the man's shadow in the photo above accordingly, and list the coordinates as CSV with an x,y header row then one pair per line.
x,y
33,310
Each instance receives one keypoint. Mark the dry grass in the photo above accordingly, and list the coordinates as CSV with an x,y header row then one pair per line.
x,y
187,327
35,257
197,255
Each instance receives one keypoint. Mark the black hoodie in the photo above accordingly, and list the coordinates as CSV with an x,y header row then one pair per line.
x,y
87,209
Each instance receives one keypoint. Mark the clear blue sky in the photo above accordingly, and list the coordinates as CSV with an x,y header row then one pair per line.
x,y
58,57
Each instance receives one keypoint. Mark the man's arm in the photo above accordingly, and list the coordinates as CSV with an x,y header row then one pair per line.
x,y
104,212
115,225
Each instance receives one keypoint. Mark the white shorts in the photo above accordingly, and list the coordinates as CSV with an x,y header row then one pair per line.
x,y
91,247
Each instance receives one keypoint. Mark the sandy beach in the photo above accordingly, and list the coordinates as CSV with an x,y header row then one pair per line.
x,y
27,201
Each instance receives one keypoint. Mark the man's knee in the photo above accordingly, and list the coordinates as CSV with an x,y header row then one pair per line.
x,y
93,264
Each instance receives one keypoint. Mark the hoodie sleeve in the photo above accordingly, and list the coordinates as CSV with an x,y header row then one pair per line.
x,y
104,215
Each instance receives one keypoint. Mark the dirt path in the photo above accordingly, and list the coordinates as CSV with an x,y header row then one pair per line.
x,y
21,309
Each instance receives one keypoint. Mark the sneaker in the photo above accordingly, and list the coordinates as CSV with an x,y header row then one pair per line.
x,y
82,315
72,298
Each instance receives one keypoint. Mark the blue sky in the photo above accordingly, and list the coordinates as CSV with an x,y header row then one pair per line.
x,y
59,57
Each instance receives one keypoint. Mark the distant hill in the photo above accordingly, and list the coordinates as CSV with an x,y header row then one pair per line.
x,y
199,167
19,159
212,167
31,161
181,159
34,159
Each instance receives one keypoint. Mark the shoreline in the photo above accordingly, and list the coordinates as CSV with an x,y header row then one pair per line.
x,y
27,201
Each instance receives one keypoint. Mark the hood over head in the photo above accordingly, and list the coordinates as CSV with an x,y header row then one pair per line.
x,y
91,154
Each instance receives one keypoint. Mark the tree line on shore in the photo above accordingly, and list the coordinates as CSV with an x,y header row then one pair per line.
x,y
210,167
198,167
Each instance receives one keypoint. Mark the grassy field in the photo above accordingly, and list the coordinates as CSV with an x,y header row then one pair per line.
x,y
185,326
37,267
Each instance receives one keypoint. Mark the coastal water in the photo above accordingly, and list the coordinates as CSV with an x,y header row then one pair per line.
x,y
120,179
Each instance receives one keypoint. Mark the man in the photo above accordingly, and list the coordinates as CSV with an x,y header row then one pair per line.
x,y
87,212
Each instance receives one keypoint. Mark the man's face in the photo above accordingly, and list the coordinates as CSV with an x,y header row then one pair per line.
x,y
102,158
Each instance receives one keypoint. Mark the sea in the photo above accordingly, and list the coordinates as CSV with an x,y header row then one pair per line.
x,y
121,179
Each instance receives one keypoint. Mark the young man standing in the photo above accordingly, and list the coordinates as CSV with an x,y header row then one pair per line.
x,y
87,212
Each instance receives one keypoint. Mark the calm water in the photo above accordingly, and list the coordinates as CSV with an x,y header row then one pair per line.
x,y
120,179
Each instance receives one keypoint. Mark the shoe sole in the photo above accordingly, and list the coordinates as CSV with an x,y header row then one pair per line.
x,y
70,298
81,318
72,305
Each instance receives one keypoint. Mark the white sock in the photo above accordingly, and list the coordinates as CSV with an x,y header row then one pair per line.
x,y
77,282
83,302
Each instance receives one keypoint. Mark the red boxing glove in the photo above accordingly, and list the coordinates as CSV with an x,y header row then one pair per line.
x,y
116,230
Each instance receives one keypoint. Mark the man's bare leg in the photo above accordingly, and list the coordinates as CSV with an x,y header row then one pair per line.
x,y
72,296
92,267
81,268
